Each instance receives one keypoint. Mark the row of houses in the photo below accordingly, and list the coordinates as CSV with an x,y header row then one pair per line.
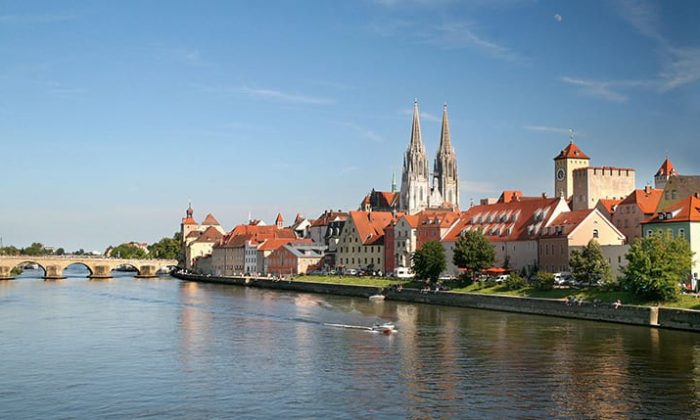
x,y
528,233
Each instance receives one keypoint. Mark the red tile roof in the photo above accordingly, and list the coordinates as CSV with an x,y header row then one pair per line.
x,y
257,233
210,220
666,169
647,199
189,220
571,152
512,221
212,234
603,168
273,244
370,225
609,205
510,195
566,222
279,218
686,210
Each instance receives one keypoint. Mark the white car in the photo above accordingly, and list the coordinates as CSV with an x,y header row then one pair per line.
x,y
500,279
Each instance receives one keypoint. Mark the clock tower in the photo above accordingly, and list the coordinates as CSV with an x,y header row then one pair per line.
x,y
569,159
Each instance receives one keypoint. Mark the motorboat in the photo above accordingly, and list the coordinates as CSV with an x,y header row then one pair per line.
x,y
377,297
385,328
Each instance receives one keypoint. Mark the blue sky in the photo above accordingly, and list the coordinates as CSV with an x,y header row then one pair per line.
x,y
114,114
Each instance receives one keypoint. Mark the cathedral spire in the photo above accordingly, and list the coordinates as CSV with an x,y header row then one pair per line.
x,y
445,142
416,141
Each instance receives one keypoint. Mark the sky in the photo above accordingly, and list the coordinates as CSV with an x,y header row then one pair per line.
x,y
115,115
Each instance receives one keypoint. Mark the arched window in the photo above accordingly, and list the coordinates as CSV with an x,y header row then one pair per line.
x,y
595,233
421,193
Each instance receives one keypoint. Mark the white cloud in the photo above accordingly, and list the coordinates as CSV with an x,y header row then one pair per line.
x,y
285,97
424,116
680,66
366,133
461,35
558,17
547,129
601,89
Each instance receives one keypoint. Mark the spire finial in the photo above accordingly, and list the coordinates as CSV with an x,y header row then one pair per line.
x,y
444,106
415,101
571,135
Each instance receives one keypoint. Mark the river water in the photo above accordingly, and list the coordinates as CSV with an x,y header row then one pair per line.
x,y
130,347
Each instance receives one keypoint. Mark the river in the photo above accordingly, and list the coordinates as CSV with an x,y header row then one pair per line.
x,y
130,347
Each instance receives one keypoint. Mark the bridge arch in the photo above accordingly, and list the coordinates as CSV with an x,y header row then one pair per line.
x,y
29,261
91,270
134,266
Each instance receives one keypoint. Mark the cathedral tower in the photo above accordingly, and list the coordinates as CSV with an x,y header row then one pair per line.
x,y
414,179
445,169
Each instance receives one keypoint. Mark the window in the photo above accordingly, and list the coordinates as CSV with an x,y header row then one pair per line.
x,y
595,233
681,233
649,232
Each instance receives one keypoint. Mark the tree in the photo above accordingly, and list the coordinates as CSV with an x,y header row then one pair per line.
x,y
429,261
35,249
589,265
473,252
128,251
166,248
656,266
60,251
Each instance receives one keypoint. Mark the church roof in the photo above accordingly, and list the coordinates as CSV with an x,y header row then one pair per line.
x,y
212,234
571,152
370,225
666,169
210,220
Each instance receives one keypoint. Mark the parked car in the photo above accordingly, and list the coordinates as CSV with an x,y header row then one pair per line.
x,y
350,272
404,273
500,279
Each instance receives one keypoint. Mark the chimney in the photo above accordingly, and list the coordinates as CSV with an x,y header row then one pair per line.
x,y
697,195
544,195
647,189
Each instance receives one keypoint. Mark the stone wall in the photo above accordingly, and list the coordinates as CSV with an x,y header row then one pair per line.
x,y
681,319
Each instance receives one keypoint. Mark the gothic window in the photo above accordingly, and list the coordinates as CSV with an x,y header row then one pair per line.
x,y
421,193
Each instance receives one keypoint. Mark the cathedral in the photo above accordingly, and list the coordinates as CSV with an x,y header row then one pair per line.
x,y
421,189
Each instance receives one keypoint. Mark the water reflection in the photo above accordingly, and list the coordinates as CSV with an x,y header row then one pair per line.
x,y
128,347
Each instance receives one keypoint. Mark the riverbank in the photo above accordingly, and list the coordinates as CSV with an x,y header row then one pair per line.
x,y
649,316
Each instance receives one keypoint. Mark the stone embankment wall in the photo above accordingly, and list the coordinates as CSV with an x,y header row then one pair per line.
x,y
626,314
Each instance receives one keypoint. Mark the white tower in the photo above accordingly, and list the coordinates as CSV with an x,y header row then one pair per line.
x,y
414,179
445,168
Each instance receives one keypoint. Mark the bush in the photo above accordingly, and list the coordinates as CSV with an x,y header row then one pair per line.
x,y
544,281
515,282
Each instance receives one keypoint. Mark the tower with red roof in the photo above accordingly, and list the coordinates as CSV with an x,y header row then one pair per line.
x,y
666,171
569,159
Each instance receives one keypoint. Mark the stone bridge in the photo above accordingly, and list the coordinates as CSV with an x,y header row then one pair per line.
x,y
99,267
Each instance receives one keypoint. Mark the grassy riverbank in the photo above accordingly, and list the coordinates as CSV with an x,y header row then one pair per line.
x,y
351,280
587,294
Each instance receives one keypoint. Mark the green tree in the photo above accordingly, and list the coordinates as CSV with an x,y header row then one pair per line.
x,y
429,261
129,252
589,265
166,248
60,251
9,250
34,249
515,282
544,281
656,266
474,252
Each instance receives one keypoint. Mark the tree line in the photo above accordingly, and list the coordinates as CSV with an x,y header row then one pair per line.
x,y
657,265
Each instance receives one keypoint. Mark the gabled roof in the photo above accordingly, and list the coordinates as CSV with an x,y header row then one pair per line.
x,y
273,244
571,152
647,199
380,200
609,205
279,218
512,221
666,169
370,225
566,222
257,233
194,234
305,250
212,234
210,220
328,217
189,220
433,218
686,210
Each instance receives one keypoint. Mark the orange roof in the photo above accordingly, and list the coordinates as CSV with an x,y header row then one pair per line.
x,y
189,220
647,199
571,152
510,195
412,219
370,225
512,221
210,220
567,221
666,169
212,234
279,218
437,218
380,199
194,234
686,210
609,205
257,233
273,244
